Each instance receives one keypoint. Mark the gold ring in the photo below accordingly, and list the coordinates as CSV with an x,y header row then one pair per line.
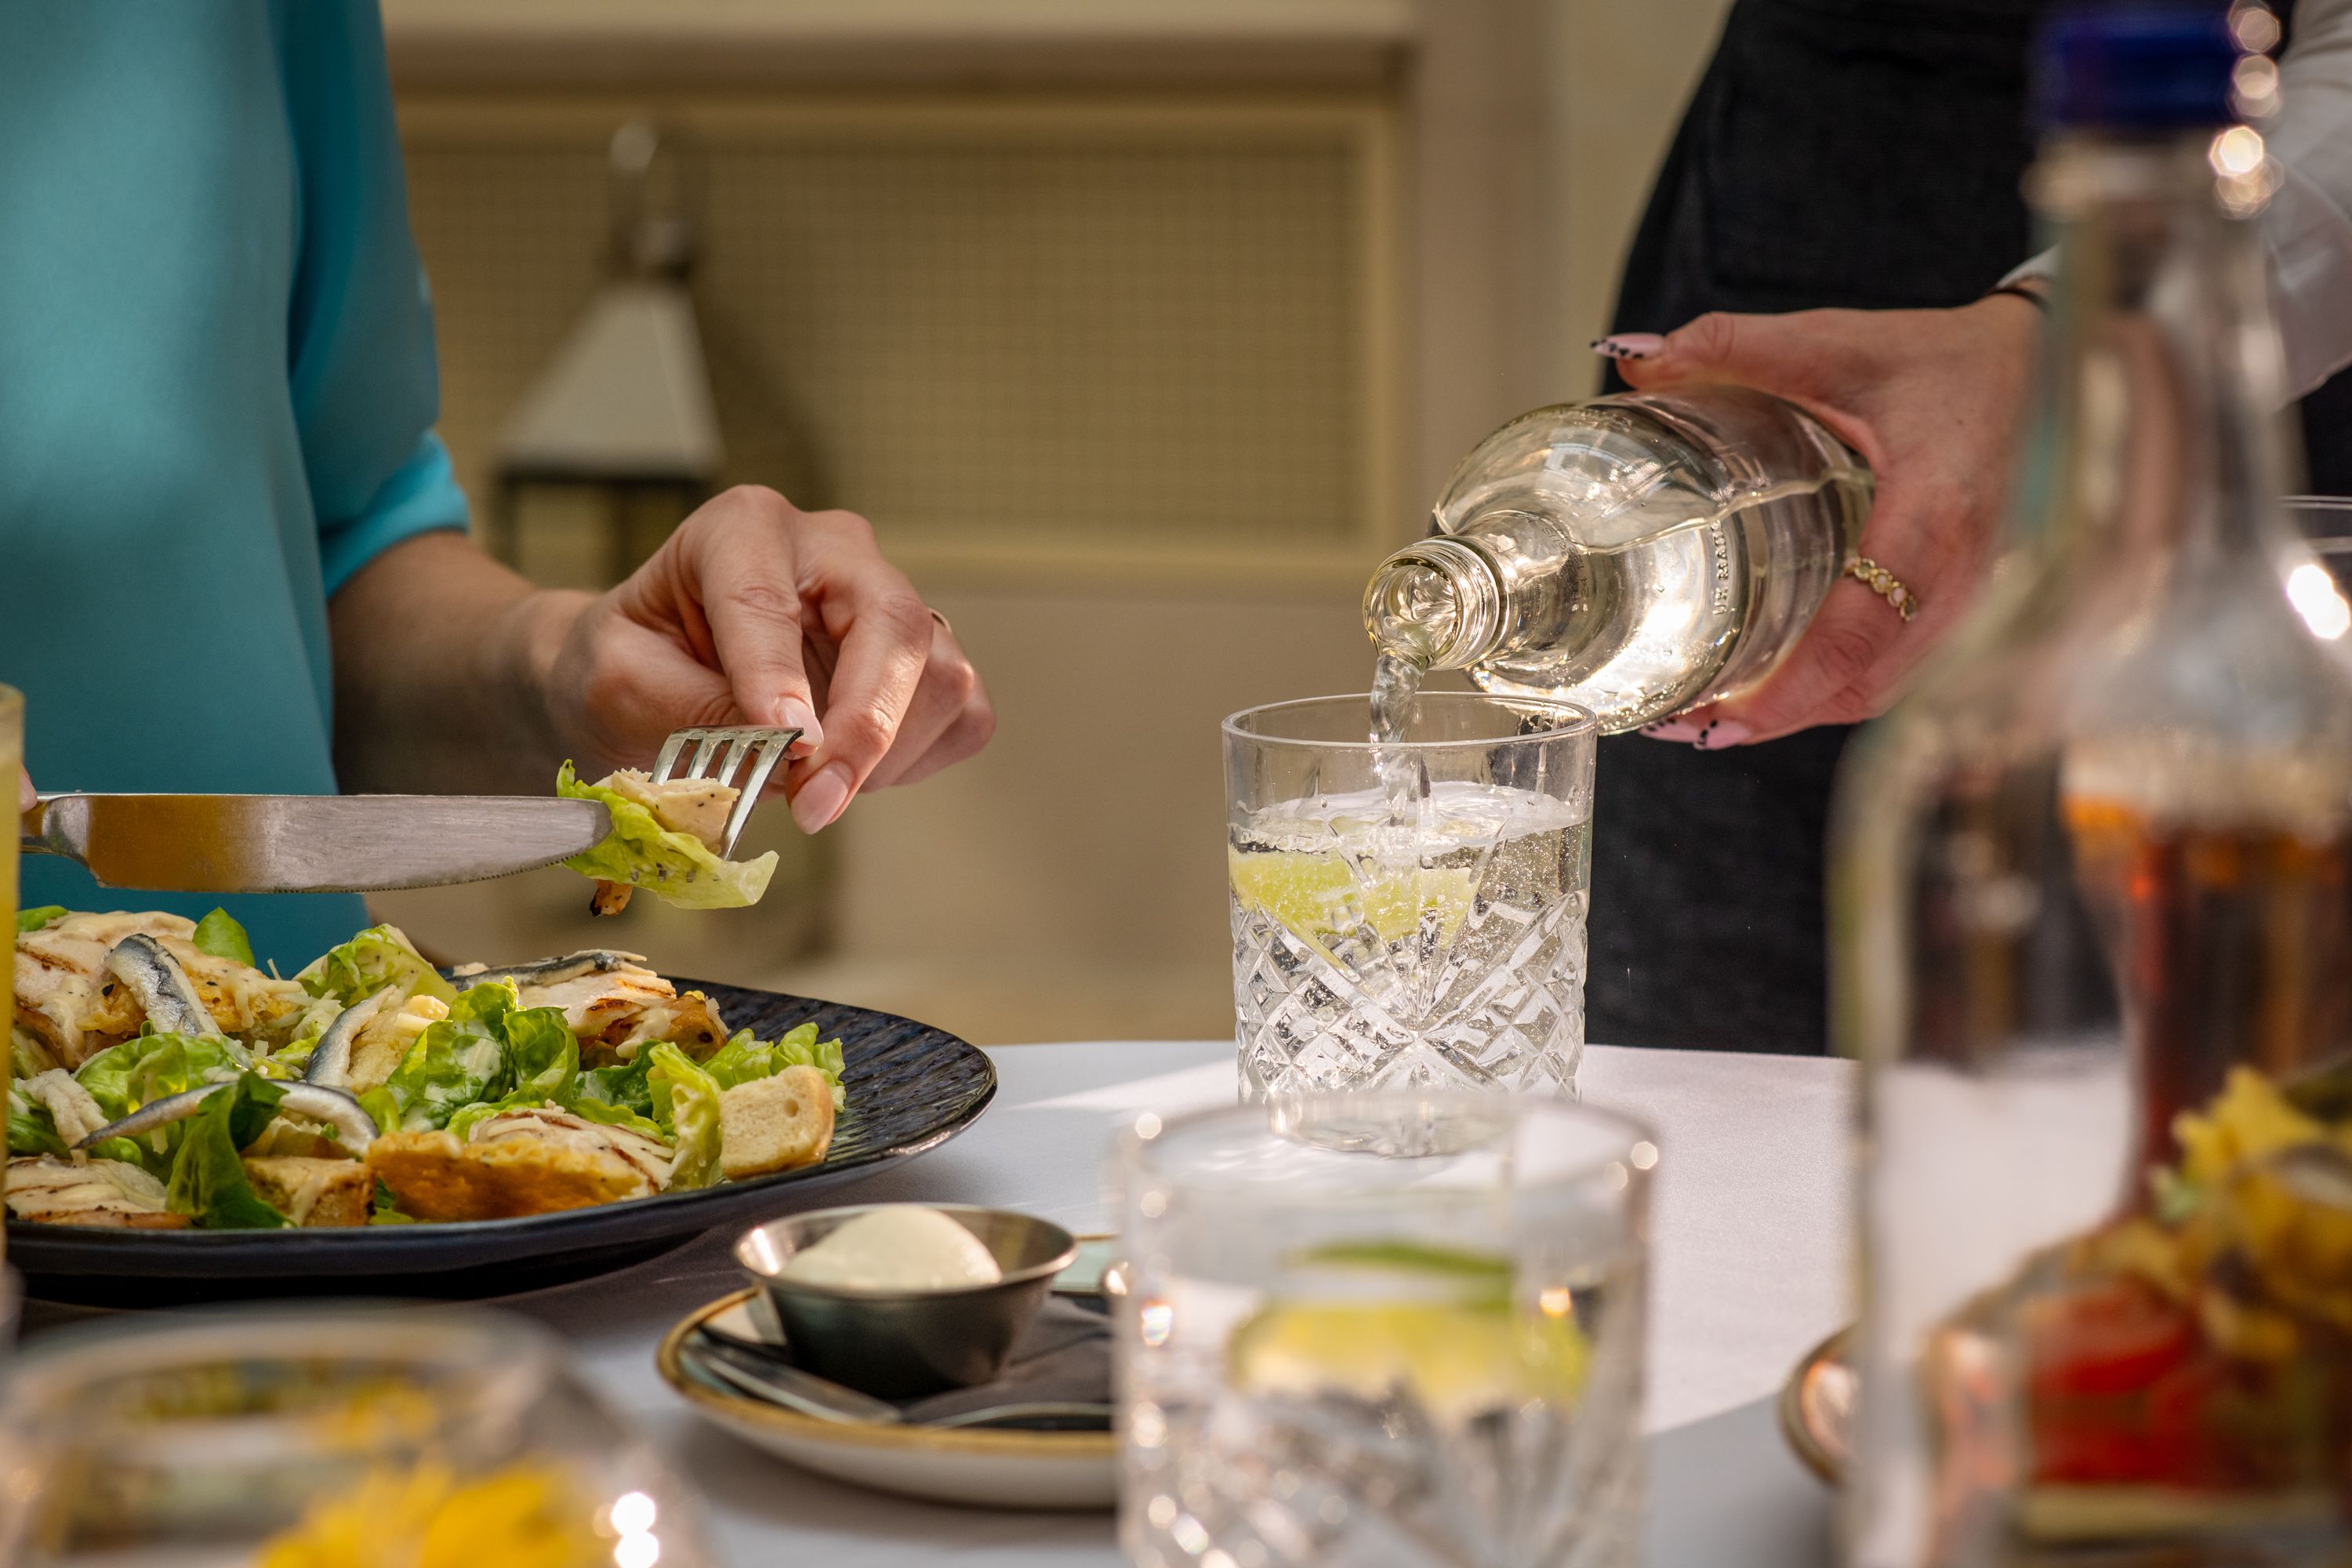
x,y
948,629
1884,583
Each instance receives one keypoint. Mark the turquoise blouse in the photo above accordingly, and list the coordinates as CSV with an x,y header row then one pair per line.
x,y
217,392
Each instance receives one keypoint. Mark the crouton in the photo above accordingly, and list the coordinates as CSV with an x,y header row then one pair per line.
x,y
774,1123
312,1192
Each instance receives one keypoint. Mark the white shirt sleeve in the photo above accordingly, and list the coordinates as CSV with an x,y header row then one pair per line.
x,y
2307,227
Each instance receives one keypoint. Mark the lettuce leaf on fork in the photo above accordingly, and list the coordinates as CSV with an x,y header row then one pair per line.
x,y
676,867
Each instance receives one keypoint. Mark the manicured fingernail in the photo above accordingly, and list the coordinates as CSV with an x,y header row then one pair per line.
x,y
799,715
1630,345
821,798
1672,730
1723,735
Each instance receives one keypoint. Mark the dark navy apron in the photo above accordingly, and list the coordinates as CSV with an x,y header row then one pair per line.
x,y
1863,153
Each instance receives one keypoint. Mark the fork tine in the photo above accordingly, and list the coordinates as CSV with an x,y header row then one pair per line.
x,y
737,742
668,759
771,751
706,744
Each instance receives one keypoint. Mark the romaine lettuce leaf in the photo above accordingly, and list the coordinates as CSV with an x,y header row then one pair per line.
x,y
377,957
147,1068
454,1063
40,919
32,1130
686,1108
219,934
208,1180
542,1054
490,1048
465,1121
673,867
743,1059
615,1116
289,1059
623,1087
26,1055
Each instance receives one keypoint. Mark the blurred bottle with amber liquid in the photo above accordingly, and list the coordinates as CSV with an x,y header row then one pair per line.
x,y
2091,936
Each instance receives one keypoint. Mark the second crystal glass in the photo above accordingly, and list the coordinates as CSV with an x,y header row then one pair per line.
x,y
1409,915
1383,1332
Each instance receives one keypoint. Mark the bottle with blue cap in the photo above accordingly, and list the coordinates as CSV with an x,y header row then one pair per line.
x,y
2092,910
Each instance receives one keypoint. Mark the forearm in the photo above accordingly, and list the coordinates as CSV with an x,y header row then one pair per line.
x,y
441,664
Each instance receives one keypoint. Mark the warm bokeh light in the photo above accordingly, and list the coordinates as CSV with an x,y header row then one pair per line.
x,y
2237,151
2316,599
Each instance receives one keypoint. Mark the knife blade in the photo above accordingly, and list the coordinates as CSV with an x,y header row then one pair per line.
x,y
308,844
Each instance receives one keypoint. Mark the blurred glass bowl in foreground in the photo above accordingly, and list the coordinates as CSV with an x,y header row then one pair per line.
x,y
355,1438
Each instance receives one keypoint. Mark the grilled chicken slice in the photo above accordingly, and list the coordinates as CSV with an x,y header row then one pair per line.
x,y
613,1003
695,807
69,1000
50,1191
535,1161
383,1039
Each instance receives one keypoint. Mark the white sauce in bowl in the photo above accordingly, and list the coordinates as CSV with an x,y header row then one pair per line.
x,y
904,1246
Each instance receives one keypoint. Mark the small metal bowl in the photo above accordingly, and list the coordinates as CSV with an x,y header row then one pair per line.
x,y
902,1344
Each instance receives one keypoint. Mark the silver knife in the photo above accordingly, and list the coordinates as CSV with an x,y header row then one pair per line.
x,y
308,844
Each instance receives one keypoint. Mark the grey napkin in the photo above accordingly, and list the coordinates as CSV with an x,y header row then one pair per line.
x,y
1064,1359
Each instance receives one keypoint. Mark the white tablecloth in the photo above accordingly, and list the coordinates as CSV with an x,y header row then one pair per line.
x,y
1751,1269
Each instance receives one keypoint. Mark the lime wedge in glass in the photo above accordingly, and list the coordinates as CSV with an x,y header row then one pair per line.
x,y
1320,897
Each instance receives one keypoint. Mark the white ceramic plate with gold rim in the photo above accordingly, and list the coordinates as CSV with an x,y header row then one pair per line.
x,y
979,1467
1816,1408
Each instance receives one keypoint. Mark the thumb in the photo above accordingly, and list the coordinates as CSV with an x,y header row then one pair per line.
x,y
26,795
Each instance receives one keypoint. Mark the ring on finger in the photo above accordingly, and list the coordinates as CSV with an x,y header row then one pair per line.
x,y
1885,584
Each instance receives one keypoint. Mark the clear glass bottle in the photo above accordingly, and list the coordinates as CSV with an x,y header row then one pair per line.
x,y
2091,930
1635,556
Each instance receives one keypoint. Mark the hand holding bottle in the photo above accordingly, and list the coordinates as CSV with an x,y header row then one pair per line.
x,y
1933,400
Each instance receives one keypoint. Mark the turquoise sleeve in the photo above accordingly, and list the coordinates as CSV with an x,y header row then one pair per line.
x,y
422,496
365,379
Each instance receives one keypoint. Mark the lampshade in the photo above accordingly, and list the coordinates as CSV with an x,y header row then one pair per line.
x,y
626,397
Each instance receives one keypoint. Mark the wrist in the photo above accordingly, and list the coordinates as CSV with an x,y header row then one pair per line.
x,y
530,640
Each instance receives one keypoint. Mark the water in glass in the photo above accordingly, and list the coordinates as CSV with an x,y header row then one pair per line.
x,y
1411,912
1341,1357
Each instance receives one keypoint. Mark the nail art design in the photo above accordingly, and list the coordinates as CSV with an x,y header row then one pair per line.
x,y
1724,735
1629,345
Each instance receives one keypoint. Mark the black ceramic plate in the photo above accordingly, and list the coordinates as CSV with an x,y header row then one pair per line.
x,y
910,1088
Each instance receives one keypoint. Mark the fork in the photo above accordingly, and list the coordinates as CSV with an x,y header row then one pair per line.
x,y
742,741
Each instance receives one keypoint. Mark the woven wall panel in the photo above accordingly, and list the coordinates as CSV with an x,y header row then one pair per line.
x,y
1014,334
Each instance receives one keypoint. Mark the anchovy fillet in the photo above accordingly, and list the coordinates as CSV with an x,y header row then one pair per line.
x,y
354,1128
555,971
161,986
331,1059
